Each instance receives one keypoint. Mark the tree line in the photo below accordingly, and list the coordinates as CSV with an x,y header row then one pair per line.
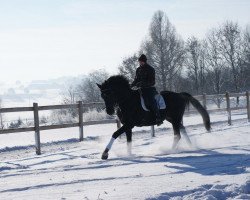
x,y
217,63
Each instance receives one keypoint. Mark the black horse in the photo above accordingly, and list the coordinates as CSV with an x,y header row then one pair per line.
x,y
117,94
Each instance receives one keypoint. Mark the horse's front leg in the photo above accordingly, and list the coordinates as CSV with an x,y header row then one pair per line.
x,y
129,141
114,136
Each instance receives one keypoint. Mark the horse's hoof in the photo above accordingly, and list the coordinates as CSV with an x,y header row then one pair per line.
x,y
105,156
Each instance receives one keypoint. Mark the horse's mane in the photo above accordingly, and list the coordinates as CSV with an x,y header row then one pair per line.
x,y
117,81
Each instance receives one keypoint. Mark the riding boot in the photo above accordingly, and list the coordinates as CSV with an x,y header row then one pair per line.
x,y
158,119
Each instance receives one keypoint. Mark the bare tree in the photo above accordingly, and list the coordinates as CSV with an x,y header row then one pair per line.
x,y
246,55
88,91
128,67
216,65
69,94
196,63
165,50
231,47
69,97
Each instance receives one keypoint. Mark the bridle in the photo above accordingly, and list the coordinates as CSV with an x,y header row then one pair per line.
x,y
118,101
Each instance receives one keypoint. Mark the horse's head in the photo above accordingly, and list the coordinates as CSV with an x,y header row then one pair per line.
x,y
107,94
112,91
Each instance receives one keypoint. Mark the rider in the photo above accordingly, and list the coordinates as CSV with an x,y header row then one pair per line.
x,y
145,80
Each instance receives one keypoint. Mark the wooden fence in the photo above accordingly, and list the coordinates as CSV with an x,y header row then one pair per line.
x,y
204,98
37,128
80,106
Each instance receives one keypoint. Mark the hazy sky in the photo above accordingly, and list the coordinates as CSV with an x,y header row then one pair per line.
x,y
41,39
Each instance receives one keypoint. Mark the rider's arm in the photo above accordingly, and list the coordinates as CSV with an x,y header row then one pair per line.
x,y
136,80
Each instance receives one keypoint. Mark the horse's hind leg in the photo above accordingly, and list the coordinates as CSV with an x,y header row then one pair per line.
x,y
129,141
184,133
177,135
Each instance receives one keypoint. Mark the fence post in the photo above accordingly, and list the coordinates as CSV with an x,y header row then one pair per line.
x,y
153,131
37,129
248,106
80,113
204,100
228,109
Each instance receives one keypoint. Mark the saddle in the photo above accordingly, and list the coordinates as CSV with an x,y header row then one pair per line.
x,y
159,101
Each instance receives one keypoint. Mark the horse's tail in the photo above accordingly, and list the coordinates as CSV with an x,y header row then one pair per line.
x,y
200,108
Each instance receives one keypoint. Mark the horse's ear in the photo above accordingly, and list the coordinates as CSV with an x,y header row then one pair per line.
x,y
99,85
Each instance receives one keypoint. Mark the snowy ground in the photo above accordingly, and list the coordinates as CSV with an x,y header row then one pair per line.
x,y
217,166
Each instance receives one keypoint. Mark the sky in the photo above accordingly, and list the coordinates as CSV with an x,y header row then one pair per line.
x,y
44,39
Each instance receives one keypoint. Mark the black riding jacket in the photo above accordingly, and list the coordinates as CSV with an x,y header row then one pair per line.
x,y
145,76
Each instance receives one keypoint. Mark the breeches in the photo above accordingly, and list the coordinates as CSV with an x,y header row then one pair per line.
x,y
148,95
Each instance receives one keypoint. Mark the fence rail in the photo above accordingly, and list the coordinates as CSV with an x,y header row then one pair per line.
x,y
80,106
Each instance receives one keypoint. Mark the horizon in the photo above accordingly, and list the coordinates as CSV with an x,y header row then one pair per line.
x,y
72,38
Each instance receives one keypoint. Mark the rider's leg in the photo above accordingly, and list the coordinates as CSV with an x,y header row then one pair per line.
x,y
156,111
149,98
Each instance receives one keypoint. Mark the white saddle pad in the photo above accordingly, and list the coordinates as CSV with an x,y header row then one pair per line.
x,y
160,102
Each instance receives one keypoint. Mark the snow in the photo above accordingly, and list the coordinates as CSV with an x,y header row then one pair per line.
x,y
216,166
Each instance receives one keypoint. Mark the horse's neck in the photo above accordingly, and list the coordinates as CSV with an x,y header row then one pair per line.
x,y
129,101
